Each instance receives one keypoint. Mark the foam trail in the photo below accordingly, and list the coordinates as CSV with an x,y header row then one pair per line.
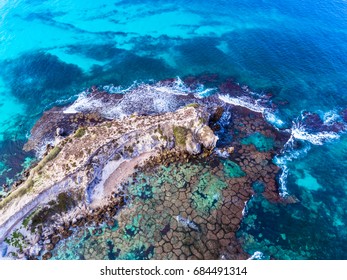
x,y
178,87
157,97
271,118
245,208
283,190
331,117
288,154
243,101
83,102
299,132
119,89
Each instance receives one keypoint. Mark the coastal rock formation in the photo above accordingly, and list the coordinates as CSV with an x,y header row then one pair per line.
x,y
142,176
88,165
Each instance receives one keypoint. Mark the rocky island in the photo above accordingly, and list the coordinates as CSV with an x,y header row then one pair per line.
x,y
150,184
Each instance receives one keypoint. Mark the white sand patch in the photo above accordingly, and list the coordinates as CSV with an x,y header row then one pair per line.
x,y
115,173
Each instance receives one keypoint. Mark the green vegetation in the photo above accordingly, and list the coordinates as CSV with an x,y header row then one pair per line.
x,y
160,131
62,204
51,155
180,134
202,121
16,240
18,193
80,132
129,149
29,184
27,220
194,105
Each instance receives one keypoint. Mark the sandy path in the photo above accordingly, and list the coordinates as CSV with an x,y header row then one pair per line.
x,y
119,175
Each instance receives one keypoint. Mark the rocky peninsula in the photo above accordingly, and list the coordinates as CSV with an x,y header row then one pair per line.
x,y
112,176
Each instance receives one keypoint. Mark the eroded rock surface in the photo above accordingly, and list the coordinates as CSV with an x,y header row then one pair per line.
x,y
77,163
121,179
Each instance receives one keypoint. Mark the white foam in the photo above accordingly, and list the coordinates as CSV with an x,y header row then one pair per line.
x,y
271,118
257,256
178,87
283,190
223,154
119,89
83,102
299,132
41,150
245,208
201,92
243,101
155,97
255,106
331,117
290,152
160,105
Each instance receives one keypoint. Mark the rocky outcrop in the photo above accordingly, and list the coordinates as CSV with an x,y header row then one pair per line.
x,y
118,166
81,164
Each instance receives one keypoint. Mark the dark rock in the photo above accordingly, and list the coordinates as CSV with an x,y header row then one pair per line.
x,y
217,115
47,256
55,239
49,247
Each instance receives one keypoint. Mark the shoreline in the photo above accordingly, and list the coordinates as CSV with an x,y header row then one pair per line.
x,y
104,173
62,173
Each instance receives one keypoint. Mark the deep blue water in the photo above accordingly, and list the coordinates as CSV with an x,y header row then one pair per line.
x,y
52,50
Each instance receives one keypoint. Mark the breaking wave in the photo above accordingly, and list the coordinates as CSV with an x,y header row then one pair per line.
x,y
84,102
255,105
302,137
153,98
243,101
299,131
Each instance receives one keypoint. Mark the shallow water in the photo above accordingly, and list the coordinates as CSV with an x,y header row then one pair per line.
x,y
296,50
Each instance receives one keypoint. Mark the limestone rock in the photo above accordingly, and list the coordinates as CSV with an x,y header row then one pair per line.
x,y
207,137
192,145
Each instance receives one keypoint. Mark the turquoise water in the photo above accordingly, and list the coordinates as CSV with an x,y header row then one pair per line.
x,y
52,50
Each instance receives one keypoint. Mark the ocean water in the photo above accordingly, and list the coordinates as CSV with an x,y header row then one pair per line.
x,y
50,51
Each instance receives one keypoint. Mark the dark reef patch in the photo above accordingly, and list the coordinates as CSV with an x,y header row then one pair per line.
x,y
13,156
98,52
38,77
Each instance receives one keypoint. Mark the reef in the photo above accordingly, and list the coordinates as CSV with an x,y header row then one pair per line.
x,y
155,183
